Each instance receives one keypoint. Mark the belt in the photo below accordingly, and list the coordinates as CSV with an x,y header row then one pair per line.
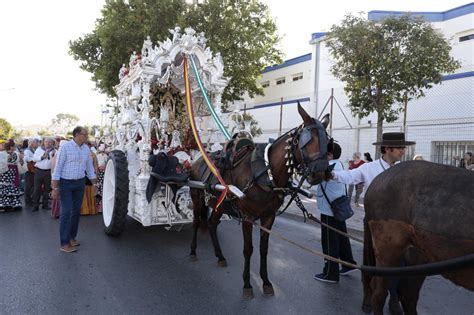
x,y
42,169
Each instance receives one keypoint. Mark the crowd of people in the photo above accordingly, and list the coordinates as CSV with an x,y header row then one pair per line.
x,y
26,168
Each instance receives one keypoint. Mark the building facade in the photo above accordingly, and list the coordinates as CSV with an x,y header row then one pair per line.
x,y
441,123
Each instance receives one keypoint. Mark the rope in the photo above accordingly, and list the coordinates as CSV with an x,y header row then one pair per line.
x,y
337,260
427,269
312,217
308,214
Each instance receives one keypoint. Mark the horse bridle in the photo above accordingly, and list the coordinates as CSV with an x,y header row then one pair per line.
x,y
301,138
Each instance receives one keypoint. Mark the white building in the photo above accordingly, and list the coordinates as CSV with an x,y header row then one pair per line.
x,y
441,123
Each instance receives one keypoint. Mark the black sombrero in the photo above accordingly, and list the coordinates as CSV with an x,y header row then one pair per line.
x,y
394,139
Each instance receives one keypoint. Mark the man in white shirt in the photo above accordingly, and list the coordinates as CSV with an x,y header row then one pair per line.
x,y
42,186
392,146
30,173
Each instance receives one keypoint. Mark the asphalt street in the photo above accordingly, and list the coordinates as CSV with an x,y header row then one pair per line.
x,y
147,270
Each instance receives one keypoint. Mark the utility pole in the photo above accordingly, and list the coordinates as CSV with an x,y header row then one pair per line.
x,y
281,116
405,103
331,110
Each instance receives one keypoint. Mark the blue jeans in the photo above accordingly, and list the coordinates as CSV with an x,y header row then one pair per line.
x,y
71,192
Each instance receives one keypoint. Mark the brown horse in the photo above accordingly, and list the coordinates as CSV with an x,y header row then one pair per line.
x,y
307,145
417,212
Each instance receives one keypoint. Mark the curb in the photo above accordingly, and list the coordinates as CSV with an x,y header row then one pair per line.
x,y
350,229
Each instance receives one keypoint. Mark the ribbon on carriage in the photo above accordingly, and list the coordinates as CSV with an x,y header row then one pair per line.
x,y
208,102
192,122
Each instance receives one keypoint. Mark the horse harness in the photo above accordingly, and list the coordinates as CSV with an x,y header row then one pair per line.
x,y
298,140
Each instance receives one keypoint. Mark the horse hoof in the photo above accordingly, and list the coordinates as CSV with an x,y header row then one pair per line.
x,y
193,258
248,293
222,263
367,308
268,290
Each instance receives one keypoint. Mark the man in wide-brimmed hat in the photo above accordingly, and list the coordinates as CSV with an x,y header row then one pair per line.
x,y
392,147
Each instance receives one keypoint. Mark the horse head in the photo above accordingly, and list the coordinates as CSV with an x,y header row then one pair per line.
x,y
313,144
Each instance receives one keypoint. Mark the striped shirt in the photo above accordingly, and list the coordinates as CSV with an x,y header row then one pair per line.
x,y
73,162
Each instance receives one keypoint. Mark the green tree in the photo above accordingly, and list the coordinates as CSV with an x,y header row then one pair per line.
x,y
245,35
64,121
382,62
45,132
242,31
6,129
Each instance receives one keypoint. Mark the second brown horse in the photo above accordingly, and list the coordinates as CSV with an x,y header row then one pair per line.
x,y
307,145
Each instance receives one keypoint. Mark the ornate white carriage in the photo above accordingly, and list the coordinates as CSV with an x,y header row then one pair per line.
x,y
151,109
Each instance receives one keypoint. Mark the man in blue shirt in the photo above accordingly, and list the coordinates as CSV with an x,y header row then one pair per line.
x,y
73,162
333,244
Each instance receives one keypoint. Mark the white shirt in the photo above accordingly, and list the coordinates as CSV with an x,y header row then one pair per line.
x,y
29,154
102,159
43,164
3,162
363,174
333,191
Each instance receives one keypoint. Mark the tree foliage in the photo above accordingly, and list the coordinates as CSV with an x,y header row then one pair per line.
x,y
245,35
6,129
381,62
241,30
64,121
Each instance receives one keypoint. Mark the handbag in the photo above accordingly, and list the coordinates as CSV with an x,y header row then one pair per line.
x,y
341,207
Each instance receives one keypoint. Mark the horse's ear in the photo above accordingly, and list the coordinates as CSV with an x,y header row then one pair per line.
x,y
303,113
330,145
325,121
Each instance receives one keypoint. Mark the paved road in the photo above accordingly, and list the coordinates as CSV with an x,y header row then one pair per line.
x,y
147,270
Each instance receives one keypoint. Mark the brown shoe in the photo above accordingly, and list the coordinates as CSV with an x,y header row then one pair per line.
x,y
67,249
74,243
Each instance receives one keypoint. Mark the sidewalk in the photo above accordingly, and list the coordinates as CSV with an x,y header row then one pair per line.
x,y
354,225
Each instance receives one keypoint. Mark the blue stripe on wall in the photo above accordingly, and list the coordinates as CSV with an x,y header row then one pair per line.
x,y
458,76
428,16
317,35
288,63
305,99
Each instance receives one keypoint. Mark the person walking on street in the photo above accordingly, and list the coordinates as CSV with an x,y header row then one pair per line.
x,y
30,173
392,147
42,186
73,162
56,204
333,244
355,163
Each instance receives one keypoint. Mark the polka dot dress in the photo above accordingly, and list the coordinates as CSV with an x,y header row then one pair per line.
x,y
9,194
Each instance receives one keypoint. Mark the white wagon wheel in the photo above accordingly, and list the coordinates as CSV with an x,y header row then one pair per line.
x,y
115,193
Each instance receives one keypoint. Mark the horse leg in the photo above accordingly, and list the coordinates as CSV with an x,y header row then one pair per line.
x,y
248,249
213,222
368,260
409,288
264,237
389,240
198,208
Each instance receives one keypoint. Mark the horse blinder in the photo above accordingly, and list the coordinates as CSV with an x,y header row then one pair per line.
x,y
319,163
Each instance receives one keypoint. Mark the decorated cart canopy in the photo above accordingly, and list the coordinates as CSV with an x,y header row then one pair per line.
x,y
166,96
151,90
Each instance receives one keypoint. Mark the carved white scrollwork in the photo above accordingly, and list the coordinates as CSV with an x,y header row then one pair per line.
x,y
138,127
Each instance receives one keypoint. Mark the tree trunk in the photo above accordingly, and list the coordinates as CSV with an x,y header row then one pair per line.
x,y
379,133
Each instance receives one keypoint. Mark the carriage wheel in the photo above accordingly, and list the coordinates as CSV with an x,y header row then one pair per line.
x,y
115,193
